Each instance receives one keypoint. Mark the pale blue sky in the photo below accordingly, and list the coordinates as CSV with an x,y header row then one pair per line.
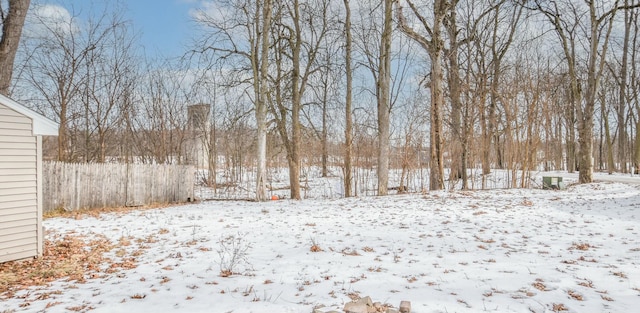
x,y
164,27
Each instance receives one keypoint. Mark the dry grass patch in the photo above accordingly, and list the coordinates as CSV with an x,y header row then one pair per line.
x,y
82,213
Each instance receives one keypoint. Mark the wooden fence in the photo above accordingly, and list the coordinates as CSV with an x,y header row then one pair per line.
x,y
82,186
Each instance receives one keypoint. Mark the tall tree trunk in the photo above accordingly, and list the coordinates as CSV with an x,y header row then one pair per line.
x,y
454,83
570,142
325,133
294,163
485,149
436,178
607,135
12,25
434,45
212,156
593,81
260,63
636,151
622,105
348,178
383,86
492,134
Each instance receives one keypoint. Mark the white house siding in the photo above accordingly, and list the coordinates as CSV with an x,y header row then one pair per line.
x,y
19,215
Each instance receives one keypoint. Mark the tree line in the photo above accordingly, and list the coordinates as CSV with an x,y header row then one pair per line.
x,y
448,85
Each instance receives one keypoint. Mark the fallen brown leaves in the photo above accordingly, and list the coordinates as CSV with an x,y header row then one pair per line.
x,y
539,285
79,308
350,252
368,249
587,283
527,202
65,256
620,274
606,298
225,273
558,307
581,246
575,295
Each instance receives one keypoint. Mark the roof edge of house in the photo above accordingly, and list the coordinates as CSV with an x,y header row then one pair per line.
x,y
42,126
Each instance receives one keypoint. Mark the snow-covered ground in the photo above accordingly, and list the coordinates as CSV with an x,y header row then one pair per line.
x,y
519,250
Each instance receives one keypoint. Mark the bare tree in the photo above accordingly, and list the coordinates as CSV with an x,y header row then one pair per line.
x,y
259,62
157,124
383,86
431,41
348,130
623,85
321,100
606,95
412,129
57,71
596,19
634,86
296,51
244,24
109,85
457,143
12,21
368,56
458,36
493,42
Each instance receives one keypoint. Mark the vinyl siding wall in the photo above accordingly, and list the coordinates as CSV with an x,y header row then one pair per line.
x,y
19,213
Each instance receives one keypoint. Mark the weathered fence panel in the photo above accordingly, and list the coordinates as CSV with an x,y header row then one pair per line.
x,y
74,186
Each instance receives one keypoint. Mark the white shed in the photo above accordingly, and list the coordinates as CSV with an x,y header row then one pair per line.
x,y
21,131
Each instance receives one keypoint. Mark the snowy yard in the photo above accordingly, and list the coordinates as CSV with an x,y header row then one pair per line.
x,y
576,250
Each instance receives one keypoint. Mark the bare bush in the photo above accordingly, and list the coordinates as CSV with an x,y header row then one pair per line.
x,y
232,253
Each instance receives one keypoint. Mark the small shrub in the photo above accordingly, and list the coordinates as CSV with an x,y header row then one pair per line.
x,y
314,246
232,253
